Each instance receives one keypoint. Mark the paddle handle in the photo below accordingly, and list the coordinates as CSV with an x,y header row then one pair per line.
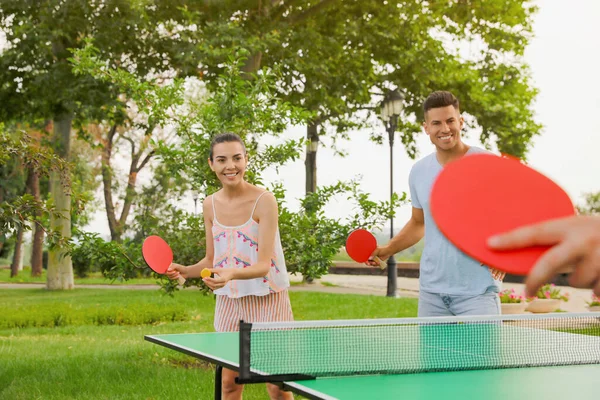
x,y
382,265
181,280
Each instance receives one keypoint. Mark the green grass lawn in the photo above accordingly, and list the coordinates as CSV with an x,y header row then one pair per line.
x,y
95,278
88,344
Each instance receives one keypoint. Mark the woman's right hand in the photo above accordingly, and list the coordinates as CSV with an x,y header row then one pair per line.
x,y
176,270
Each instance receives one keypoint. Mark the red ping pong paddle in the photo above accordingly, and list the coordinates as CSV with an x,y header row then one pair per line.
x,y
158,255
481,195
360,244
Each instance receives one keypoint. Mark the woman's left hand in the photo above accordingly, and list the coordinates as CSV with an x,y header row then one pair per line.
x,y
220,277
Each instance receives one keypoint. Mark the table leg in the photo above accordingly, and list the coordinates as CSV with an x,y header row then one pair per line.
x,y
218,380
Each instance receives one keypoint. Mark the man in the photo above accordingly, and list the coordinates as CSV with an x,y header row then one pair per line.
x,y
451,283
575,243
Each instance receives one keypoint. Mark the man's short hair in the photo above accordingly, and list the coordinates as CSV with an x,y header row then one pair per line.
x,y
439,99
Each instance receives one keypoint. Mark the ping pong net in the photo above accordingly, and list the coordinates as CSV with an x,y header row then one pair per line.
x,y
300,350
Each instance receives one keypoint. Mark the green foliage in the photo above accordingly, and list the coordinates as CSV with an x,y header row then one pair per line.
x,y
122,261
18,145
38,81
12,174
240,105
84,184
93,253
594,302
310,239
20,210
337,59
249,108
550,291
592,204
153,100
8,245
509,296
245,106
185,234
334,59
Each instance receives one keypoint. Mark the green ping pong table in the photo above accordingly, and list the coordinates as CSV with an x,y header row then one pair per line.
x,y
426,347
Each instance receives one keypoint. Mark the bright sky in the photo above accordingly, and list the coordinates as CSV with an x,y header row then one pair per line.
x,y
564,62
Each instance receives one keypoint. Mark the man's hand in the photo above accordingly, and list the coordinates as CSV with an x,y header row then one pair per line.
x,y
380,252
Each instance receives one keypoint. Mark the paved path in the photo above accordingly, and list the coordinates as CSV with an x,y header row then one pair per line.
x,y
410,287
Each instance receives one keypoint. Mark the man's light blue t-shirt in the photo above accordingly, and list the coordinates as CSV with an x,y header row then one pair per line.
x,y
443,267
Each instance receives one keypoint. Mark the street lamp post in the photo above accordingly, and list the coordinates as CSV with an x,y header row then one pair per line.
x,y
391,107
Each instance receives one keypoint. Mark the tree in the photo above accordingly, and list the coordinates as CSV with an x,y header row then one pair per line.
x,y
17,260
18,178
82,183
243,103
246,106
143,122
12,181
37,82
37,135
108,139
338,58
38,233
19,211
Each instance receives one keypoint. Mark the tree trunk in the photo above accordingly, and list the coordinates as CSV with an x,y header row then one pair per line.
x,y
134,168
312,134
252,65
37,251
117,226
107,175
60,266
16,261
38,232
254,60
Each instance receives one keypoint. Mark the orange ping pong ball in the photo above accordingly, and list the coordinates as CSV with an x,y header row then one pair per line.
x,y
205,273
